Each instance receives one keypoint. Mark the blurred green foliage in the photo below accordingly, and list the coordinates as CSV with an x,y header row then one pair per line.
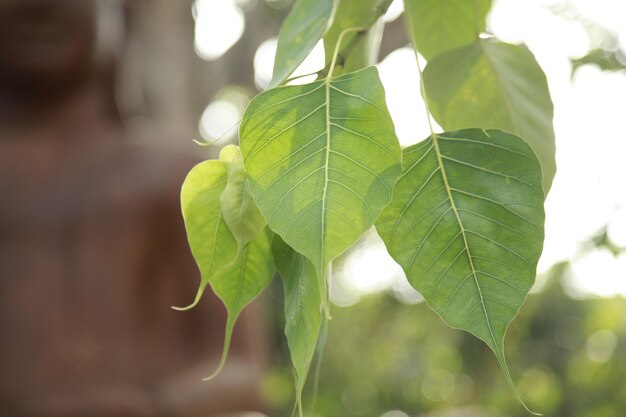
x,y
568,358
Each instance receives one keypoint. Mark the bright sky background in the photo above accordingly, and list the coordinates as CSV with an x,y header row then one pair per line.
x,y
589,189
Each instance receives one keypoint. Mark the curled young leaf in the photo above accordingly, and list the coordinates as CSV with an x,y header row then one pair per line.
x,y
240,213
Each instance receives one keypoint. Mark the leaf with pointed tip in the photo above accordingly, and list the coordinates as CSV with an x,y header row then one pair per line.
x,y
466,225
305,25
242,281
303,316
491,84
353,14
321,160
437,26
243,218
212,244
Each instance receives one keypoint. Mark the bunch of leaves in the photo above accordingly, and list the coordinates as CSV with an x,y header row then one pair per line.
x,y
320,164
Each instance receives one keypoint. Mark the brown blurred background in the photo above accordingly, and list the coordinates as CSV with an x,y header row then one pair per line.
x,y
98,102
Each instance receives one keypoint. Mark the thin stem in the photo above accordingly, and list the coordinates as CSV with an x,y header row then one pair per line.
x,y
377,12
333,62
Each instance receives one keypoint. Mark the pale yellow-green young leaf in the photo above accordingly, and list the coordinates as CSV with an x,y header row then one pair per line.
x,y
212,244
240,213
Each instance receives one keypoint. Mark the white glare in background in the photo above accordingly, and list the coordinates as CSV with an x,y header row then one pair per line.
x,y
219,25
588,119
394,11
597,273
218,122
617,228
311,64
367,268
399,74
264,64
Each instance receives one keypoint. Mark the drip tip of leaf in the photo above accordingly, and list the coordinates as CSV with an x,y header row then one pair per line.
x,y
230,323
195,301
509,380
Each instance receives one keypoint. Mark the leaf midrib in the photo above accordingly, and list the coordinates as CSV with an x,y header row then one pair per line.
x,y
444,176
326,163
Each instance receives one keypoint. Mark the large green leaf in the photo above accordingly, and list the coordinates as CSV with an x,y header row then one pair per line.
x,y
303,316
212,244
305,25
242,281
490,84
322,160
362,52
466,225
243,218
437,26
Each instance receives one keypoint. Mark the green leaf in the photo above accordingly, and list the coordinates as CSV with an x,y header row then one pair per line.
x,y
242,281
491,84
302,29
212,244
606,60
303,316
363,51
437,26
322,160
466,225
243,218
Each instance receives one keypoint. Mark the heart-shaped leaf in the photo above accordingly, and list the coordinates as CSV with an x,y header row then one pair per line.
x,y
466,225
212,244
322,160
491,84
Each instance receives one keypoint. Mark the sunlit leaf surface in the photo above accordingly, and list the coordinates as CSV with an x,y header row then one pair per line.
x,y
212,244
322,160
